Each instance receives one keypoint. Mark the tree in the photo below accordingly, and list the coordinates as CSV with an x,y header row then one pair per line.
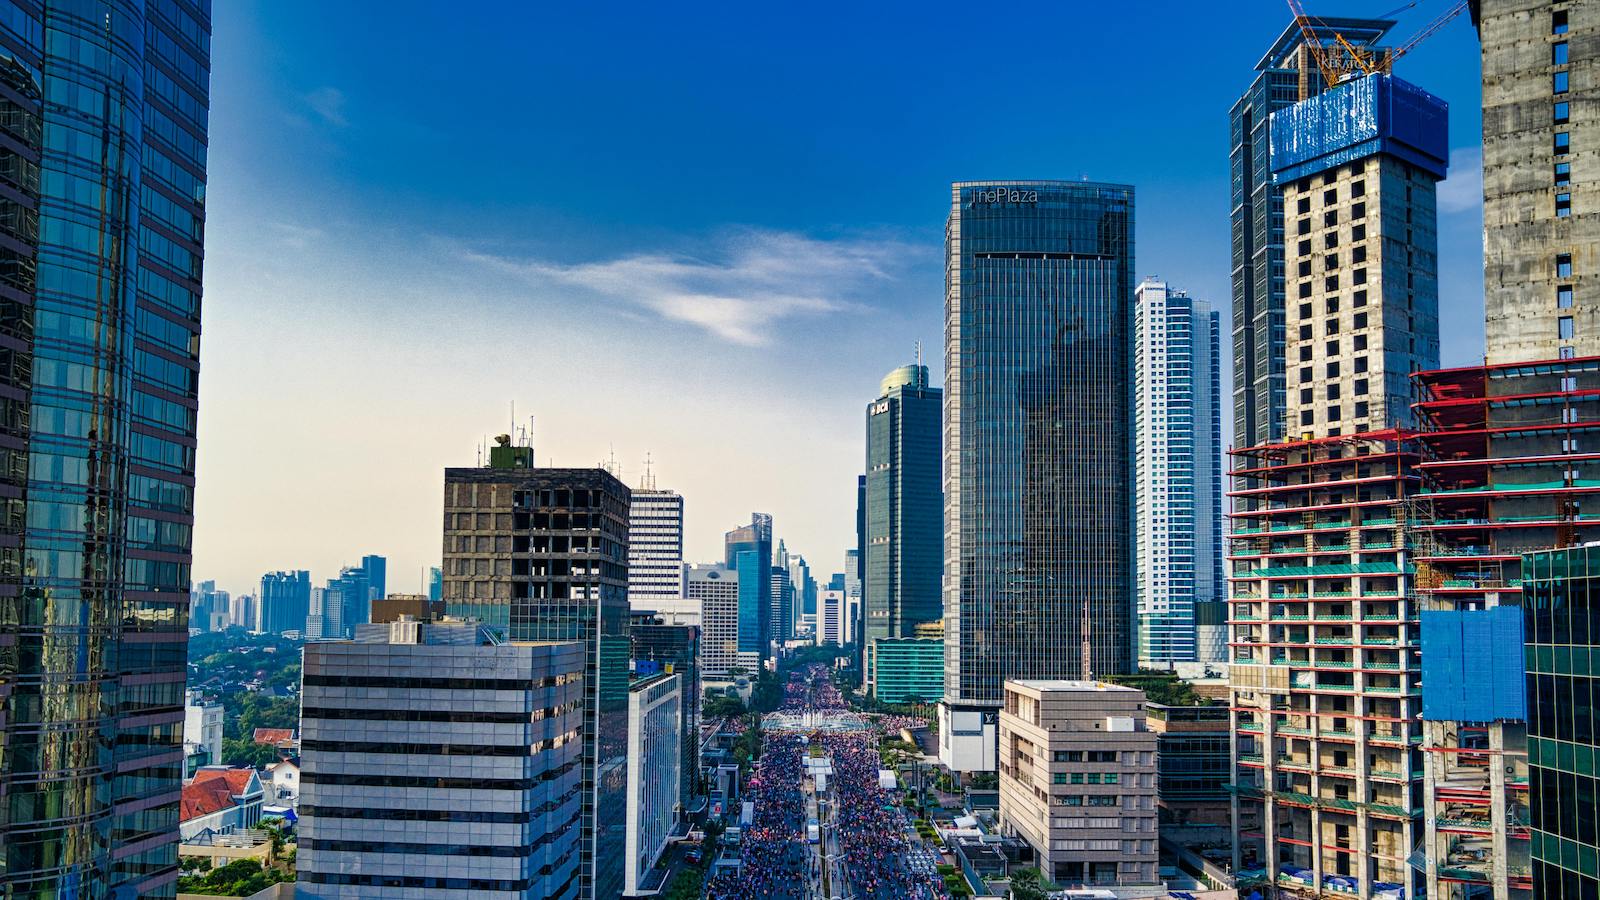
x,y
767,694
1028,884
245,752
724,707
273,826
240,878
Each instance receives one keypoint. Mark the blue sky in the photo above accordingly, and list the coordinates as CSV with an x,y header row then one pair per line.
x,y
701,231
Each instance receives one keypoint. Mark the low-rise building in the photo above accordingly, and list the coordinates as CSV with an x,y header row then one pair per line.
x,y
655,773
1078,781
283,782
281,739
439,764
907,670
1192,763
220,800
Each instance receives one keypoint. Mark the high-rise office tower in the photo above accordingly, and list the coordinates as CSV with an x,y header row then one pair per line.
x,y
1286,75
655,780
1038,469
453,769
317,619
860,561
1561,617
854,601
1326,681
347,602
715,588
104,155
782,626
676,649
755,581
208,607
565,532
244,613
285,601
903,512
830,618
805,587
377,572
1178,476
1541,201
435,583
655,554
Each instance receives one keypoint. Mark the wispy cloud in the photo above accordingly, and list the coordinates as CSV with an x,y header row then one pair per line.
x,y
298,237
1462,190
756,280
328,104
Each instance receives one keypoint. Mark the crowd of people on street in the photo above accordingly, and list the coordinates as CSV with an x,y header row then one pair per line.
x,y
871,824
771,845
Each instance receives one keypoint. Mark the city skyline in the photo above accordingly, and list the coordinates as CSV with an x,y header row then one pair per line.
x,y
304,252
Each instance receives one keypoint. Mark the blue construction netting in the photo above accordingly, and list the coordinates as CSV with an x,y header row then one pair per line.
x,y
1472,665
1374,114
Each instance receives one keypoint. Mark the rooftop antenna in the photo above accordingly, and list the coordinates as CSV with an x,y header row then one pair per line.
x,y
919,353
648,482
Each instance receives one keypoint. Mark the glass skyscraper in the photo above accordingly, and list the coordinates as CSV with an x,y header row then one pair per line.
x,y
904,510
1561,618
1285,75
1038,437
755,581
102,204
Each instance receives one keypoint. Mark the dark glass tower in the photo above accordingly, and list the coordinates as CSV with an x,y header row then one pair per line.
x,y
102,196
1038,434
542,554
1561,618
903,509
1284,76
755,582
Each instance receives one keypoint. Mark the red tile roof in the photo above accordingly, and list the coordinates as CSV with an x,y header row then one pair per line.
x,y
213,790
274,737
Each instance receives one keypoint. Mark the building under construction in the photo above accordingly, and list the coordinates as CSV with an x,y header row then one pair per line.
x,y
1509,464
1325,673
1326,687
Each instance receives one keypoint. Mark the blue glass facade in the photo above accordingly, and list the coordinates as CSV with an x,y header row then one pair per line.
x,y
755,581
754,601
903,510
285,601
1038,434
102,195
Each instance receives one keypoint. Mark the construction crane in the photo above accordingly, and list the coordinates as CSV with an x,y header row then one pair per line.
x,y
1427,31
1337,68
